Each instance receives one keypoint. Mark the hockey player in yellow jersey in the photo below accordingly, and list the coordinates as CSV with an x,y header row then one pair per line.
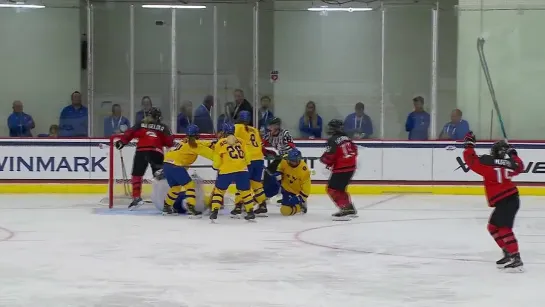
x,y
254,151
231,162
175,166
295,183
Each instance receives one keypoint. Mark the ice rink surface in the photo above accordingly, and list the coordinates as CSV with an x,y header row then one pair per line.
x,y
403,250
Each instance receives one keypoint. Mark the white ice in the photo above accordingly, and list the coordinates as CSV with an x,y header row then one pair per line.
x,y
410,250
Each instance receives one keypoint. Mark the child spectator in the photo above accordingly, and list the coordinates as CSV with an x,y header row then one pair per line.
x,y
310,124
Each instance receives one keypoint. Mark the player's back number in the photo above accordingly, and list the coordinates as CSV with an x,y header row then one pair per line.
x,y
503,173
235,152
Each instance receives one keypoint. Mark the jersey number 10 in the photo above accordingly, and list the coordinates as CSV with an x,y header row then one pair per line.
x,y
235,152
502,173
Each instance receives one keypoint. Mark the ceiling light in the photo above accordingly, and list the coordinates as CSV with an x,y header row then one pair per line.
x,y
170,6
21,5
339,9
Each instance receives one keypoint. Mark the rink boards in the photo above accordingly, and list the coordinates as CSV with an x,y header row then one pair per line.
x,y
85,165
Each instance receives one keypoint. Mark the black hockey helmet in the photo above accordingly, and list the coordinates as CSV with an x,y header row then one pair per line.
x,y
154,113
499,149
335,126
275,121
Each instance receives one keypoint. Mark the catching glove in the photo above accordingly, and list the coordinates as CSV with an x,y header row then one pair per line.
x,y
469,140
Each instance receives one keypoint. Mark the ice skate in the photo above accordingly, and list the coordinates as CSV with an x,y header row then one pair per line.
x,y
250,216
214,215
169,210
345,214
503,261
261,210
236,213
515,265
193,213
304,208
136,203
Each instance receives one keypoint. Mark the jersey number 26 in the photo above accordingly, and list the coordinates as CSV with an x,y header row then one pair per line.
x,y
235,152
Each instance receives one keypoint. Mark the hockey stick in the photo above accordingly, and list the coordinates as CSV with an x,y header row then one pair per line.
x,y
484,66
124,173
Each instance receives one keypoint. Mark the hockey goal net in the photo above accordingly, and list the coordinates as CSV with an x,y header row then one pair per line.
x,y
120,167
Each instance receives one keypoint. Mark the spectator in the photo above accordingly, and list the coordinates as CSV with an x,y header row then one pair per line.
x,y
418,121
242,105
310,124
53,132
202,117
146,105
226,117
74,118
116,123
265,114
456,129
358,125
185,118
20,123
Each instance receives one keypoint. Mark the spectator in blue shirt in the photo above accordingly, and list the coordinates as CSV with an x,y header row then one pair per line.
x,y
456,129
116,123
227,116
146,106
74,118
202,117
185,117
310,124
20,123
418,121
358,125
265,114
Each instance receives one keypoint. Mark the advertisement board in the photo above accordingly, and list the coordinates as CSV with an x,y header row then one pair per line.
x,y
54,159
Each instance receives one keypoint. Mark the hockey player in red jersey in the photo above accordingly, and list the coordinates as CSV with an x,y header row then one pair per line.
x,y
497,170
152,137
340,158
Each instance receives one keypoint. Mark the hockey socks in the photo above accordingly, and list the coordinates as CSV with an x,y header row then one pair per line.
x,y
505,238
340,198
136,182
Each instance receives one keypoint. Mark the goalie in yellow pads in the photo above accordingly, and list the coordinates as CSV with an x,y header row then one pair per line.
x,y
295,183
254,150
231,162
175,166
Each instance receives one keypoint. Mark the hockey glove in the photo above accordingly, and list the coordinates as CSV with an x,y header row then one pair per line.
x,y
469,140
511,152
119,145
294,200
159,175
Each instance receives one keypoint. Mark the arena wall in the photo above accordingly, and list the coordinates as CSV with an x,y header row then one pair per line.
x,y
83,166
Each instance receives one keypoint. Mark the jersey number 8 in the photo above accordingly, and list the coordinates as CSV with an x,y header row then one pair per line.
x,y
235,152
253,140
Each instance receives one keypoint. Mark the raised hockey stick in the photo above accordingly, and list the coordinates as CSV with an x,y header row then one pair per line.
x,y
484,65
